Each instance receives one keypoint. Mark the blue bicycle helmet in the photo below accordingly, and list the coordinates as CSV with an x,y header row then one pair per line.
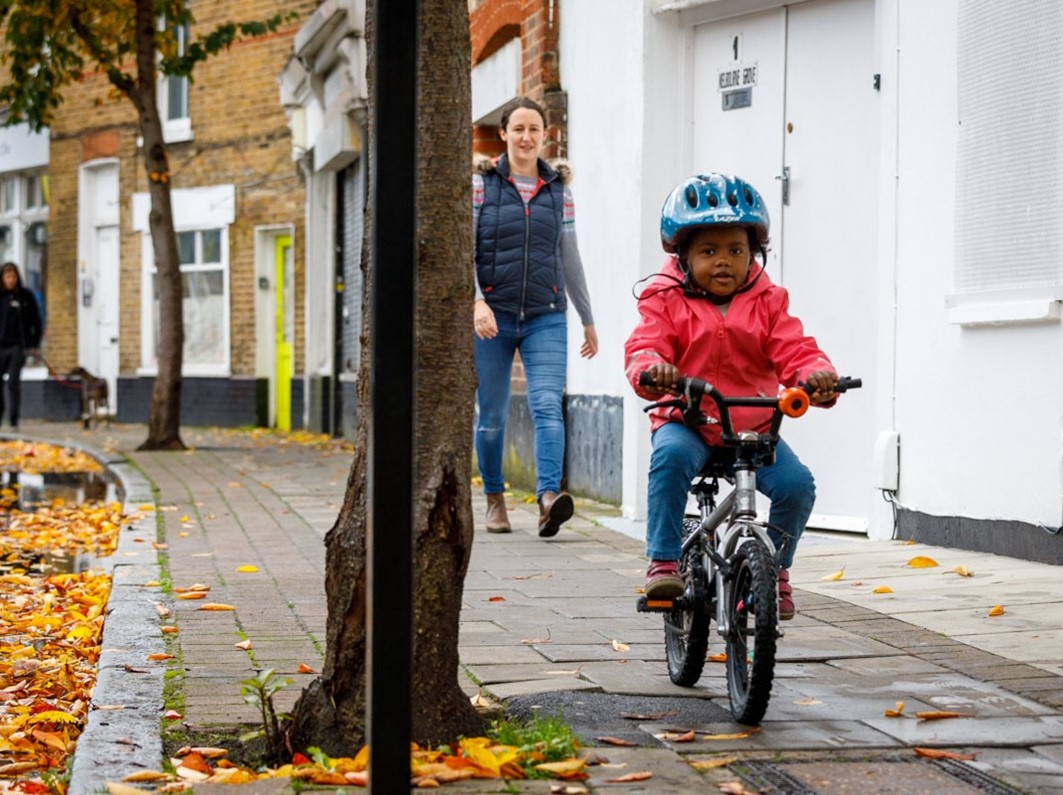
x,y
709,199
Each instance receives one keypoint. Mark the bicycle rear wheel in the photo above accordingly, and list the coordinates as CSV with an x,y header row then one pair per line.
x,y
752,611
686,631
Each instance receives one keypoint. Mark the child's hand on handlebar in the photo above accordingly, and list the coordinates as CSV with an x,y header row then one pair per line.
x,y
821,386
665,377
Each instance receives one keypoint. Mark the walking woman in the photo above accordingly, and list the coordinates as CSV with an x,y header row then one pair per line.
x,y
20,333
527,267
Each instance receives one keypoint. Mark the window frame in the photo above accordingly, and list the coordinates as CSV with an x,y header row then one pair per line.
x,y
148,359
178,129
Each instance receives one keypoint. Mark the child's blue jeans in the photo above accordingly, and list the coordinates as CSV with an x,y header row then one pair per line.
x,y
679,453
543,344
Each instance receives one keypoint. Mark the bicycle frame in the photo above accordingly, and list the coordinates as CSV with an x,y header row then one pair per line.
x,y
736,511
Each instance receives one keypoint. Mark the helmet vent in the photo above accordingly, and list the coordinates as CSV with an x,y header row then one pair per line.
x,y
713,201
749,196
732,200
692,196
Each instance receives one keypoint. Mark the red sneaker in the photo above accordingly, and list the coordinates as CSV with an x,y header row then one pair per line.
x,y
663,580
786,596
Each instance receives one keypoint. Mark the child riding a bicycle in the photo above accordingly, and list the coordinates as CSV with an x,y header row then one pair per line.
x,y
713,313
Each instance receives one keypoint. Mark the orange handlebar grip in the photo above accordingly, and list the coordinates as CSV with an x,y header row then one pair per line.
x,y
793,402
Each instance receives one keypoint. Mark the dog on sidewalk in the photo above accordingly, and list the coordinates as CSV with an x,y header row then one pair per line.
x,y
94,396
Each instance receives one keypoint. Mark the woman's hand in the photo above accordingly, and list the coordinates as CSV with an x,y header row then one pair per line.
x,y
822,383
483,321
590,343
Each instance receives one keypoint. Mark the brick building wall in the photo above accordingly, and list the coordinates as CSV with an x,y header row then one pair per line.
x,y
493,23
241,137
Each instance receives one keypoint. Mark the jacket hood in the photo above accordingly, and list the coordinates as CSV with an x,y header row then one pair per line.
x,y
482,164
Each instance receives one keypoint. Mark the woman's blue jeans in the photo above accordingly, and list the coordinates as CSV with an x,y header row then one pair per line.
x,y
543,344
679,453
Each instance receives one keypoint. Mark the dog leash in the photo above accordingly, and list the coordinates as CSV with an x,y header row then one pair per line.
x,y
58,378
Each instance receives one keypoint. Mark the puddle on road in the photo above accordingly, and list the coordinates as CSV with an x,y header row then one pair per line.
x,y
33,491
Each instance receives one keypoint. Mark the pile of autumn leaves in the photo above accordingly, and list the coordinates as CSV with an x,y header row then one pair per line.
x,y
50,625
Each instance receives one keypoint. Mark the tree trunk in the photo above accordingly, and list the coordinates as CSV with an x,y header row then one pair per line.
x,y
164,422
331,712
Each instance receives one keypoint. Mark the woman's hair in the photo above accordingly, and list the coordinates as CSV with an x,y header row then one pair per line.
x,y
521,102
11,266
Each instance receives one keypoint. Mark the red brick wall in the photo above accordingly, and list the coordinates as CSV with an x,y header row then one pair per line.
x,y
492,24
241,137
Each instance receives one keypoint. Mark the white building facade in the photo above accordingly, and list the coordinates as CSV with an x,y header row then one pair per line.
x,y
912,160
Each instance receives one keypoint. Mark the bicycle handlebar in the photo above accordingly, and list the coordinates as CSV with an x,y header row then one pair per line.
x,y
792,402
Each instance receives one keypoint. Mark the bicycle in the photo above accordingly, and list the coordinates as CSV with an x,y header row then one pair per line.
x,y
730,576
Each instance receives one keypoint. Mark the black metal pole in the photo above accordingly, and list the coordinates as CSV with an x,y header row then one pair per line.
x,y
391,395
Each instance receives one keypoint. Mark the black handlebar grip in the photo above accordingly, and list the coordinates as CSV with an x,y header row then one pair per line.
x,y
849,383
645,379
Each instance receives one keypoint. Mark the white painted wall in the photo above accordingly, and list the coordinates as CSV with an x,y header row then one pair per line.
x,y
619,65
978,409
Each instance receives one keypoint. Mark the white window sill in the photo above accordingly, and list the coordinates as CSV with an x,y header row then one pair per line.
x,y
1005,308
189,372
173,132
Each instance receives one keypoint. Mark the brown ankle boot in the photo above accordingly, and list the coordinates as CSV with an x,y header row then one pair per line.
x,y
554,509
497,519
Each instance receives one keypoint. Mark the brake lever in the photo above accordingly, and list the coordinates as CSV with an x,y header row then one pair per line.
x,y
666,404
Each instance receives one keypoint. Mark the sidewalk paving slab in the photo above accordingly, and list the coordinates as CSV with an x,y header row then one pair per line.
x,y
849,654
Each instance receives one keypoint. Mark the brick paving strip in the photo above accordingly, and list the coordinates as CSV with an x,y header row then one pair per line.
x,y
270,506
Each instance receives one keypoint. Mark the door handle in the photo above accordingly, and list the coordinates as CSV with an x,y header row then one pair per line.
x,y
785,180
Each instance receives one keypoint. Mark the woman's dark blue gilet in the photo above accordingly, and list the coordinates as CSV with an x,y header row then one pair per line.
x,y
518,252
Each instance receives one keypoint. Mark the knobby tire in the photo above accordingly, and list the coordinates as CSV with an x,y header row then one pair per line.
x,y
752,610
686,632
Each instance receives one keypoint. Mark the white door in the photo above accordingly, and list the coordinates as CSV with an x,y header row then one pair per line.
x,y
744,141
812,117
98,291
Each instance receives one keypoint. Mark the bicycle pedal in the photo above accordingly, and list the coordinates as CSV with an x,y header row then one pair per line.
x,y
645,605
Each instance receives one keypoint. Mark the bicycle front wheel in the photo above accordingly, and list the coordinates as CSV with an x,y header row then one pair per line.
x,y
752,612
686,631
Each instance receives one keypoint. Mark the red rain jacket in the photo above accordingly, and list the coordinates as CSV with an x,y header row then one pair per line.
x,y
751,350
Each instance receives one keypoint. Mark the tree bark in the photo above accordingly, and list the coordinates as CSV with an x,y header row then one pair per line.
x,y
331,713
164,421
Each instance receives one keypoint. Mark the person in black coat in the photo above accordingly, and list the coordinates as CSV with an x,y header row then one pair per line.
x,y
20,333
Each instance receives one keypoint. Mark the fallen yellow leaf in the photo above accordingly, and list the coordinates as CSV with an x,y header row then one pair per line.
x,y
735,736
941,715
709,764
244,644
640,776
192,595
215,606
922,562
836,576
305,669
963,571
615,741
564,767
618,646
677,737
882,589
937,753
247,569
118,788
896,712
160,656
167,629
148,775
996,610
